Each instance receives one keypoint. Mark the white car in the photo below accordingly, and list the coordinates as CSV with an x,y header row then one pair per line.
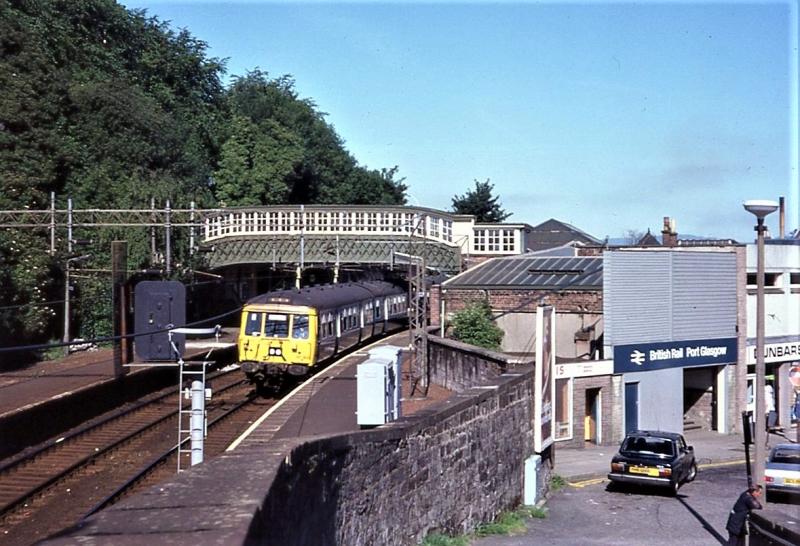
x,y
783,469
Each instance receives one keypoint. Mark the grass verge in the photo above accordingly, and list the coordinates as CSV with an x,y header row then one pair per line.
x,y
507,523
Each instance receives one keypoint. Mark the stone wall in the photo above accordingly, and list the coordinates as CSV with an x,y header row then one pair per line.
x,y
458,366
446,469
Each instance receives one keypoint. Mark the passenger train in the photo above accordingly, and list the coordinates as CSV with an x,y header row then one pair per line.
x,y
290,331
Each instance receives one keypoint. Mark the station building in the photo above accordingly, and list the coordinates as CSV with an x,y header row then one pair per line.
x,y
647,336
781,322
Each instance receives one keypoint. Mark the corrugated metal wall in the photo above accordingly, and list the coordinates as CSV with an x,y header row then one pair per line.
x,y
668,296
636,297
703,295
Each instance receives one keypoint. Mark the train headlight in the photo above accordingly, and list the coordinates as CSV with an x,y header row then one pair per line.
x,y
274,351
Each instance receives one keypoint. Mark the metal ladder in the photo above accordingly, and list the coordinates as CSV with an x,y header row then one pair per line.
x,y
185,415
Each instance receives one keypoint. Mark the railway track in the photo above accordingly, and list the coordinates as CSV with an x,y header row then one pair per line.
x,y
96,465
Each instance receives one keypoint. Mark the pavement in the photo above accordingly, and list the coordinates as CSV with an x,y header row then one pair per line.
x,y
579,465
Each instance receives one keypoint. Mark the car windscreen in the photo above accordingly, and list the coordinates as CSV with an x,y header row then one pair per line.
x,y
647,445
785,456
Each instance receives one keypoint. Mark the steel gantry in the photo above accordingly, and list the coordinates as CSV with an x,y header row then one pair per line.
x,y
300,235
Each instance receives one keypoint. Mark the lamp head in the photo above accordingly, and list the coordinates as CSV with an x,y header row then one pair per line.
x,y
760,207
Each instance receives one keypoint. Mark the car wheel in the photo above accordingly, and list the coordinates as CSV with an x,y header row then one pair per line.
x,y
674,487
692,473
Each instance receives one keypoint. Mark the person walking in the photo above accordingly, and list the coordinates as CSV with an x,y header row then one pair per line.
x,y
746,503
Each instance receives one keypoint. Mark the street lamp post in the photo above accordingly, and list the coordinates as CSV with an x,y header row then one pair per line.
x,y
760,209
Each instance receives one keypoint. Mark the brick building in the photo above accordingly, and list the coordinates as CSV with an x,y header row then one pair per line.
x,y
514,287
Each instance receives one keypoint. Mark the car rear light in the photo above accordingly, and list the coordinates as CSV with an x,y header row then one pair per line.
x,y
617,467
769,479
665,472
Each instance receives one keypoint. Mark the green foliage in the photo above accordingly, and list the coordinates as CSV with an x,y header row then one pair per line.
x,y
279,149
507,523
445,540
557,483
538,512
480,203
113,108
474,325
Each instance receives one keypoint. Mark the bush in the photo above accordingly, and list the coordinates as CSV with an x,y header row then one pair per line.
x,y
474,325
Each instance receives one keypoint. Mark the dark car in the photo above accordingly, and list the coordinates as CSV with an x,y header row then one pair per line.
x,y
651,457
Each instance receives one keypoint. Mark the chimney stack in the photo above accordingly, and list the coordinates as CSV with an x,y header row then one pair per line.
x,y
782,220
668,235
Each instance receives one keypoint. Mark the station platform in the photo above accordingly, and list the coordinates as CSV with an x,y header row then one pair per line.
x,y
323,405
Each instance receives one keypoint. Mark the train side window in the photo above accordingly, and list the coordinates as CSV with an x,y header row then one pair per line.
x,y
300,326
377,309
277,325
253,325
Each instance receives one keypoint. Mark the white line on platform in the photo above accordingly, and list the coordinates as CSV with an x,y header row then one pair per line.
x,y
274,408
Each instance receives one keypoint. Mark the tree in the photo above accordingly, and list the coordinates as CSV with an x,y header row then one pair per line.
x,y
474,325
480,203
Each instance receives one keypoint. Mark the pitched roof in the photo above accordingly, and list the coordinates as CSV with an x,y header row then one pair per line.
x,y
552,233
648,239
533,272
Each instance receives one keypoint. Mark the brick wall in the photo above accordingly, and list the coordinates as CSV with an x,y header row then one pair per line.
x,y
579,387
579,301
698,407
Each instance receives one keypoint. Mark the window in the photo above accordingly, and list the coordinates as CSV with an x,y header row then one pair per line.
x,y
480,240
434,227
771,280
508,240
300,327
253,326
447,230
563,409
327,325
794,280
377,309
493,242
277,326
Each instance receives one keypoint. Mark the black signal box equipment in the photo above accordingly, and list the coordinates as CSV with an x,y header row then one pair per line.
x,y
159,305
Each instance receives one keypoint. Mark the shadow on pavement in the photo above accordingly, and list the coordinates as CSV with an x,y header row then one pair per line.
x,y
707,526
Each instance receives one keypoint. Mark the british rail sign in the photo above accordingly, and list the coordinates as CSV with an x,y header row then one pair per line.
x,y
644,357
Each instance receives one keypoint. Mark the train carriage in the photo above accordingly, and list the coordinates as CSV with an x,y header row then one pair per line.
x,y
289,331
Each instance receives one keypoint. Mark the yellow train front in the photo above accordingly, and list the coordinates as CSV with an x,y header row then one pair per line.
x,y
289,331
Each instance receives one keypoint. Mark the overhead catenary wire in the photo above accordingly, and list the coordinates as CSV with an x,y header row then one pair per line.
x,y
30,304
42,346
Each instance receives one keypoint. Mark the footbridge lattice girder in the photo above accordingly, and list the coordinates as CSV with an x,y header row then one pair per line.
x,y
322,250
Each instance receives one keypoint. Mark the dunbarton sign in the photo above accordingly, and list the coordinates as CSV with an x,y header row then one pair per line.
x,y
776,352
674,354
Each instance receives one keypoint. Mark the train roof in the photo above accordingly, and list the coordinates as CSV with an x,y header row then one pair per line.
x,y
327,296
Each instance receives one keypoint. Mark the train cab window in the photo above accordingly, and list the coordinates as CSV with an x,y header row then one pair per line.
x,y
300,327
277,326
253,325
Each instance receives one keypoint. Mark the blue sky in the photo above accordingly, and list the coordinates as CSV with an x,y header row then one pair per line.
x,y
608,116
